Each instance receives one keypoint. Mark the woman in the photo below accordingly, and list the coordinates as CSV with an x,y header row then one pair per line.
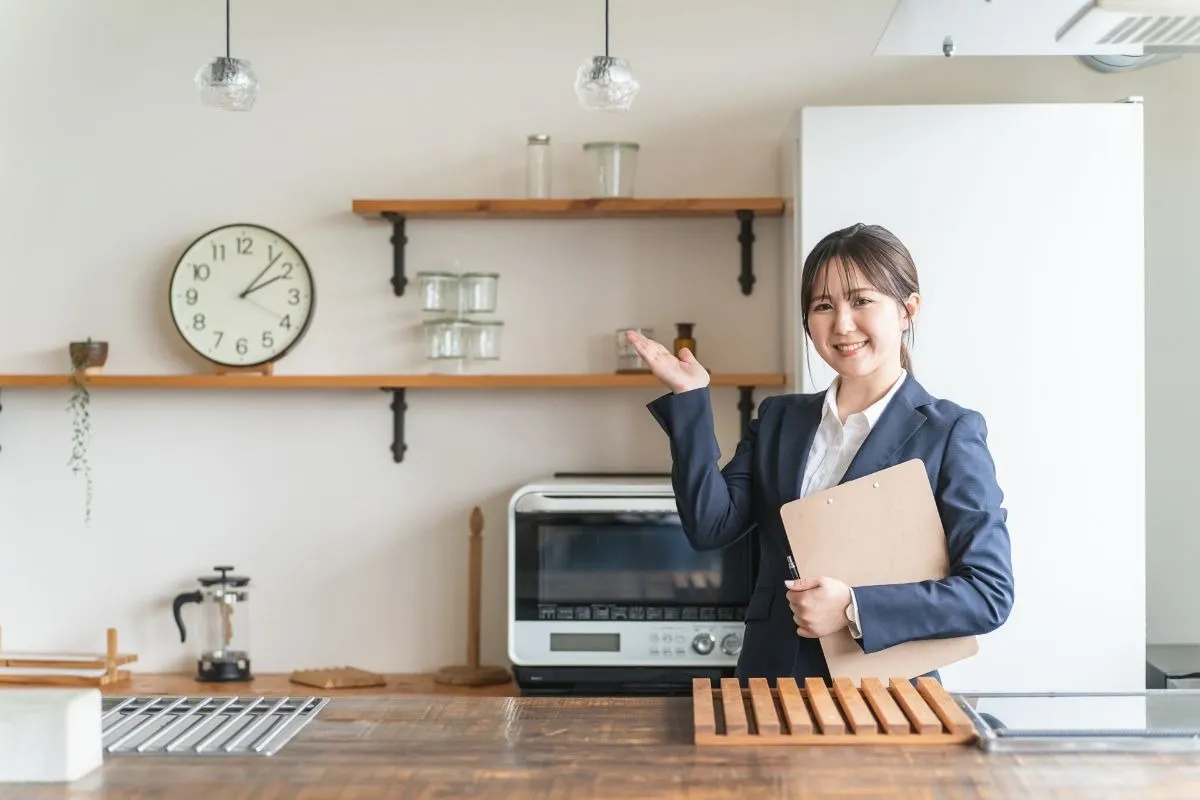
x,y
859,295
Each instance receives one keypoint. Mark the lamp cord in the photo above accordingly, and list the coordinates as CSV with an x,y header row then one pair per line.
x,y
605,28
227,27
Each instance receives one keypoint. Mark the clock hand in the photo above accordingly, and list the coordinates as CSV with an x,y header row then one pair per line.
x,y
270,264
261,285
264,308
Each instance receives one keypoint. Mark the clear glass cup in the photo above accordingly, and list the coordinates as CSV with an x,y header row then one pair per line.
x,y
628,359
613,167
484,340
478,291
439,291
446,338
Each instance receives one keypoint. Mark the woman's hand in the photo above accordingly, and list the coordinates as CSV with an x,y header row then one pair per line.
x,y
679,374
818,605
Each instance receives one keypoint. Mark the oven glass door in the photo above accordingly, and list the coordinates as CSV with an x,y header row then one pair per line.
x,y
624,565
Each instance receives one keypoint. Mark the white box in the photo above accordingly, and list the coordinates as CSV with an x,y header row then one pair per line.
x,y
49,735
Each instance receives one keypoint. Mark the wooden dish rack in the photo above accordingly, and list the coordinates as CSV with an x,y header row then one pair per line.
x,y
869,714
65,669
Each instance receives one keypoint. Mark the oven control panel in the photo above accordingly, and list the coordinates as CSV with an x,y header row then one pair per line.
x,y
625,643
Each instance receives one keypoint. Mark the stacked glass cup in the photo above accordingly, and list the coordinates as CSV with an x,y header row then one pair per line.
x,y
456,335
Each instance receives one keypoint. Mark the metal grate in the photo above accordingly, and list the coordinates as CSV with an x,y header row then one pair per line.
x,y
204,726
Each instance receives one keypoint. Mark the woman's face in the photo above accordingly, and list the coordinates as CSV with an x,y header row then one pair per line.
x,y
856,329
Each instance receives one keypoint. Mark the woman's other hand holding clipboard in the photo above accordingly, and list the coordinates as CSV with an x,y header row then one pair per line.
x,y
818,605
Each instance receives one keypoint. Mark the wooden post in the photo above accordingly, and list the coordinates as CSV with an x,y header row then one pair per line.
x,y
472,673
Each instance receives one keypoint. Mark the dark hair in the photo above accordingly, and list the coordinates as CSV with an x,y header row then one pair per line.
x,y
882,259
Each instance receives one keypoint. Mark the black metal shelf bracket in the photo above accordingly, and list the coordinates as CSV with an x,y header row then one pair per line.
x,y
399,406
745,406
399,281
746,237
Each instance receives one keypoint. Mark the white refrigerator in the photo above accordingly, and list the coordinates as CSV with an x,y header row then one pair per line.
x,y
1026,224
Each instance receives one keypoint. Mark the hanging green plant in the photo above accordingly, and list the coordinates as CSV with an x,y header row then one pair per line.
x,y
86,358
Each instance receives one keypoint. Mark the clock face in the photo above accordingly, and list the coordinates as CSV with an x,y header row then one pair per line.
x,y
242,295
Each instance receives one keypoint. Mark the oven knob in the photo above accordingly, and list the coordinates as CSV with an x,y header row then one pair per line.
x,y
703,643
731,645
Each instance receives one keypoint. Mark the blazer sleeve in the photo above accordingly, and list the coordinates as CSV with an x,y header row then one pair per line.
x,y
978,595
716,506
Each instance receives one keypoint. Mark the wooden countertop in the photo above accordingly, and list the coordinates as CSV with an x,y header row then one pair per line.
x,y
422,746
277,684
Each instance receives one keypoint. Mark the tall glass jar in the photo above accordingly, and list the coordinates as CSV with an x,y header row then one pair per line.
x,y
537,166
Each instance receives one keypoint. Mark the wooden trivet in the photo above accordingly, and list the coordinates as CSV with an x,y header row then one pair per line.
x,y
337,678
867,714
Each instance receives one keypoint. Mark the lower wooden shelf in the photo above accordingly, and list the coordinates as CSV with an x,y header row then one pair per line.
x,y
745,383
415,381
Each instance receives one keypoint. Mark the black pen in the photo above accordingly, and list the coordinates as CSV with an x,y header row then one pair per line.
x,y
791,565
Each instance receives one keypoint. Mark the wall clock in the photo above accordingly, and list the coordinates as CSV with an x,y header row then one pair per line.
x,y
242,296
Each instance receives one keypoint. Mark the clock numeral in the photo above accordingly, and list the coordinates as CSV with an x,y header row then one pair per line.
x,y
242,346
286,322
219,335
293,297
218,252
287,267
192,296
268,341
200,272
198,322
245,246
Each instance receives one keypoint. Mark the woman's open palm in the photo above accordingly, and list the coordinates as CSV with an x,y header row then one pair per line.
x,y
679,374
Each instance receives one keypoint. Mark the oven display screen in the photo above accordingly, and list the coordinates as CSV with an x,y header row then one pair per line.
x,y
654,564
585,642
624,566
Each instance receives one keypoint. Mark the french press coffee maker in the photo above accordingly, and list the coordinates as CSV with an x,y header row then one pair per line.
x,y
225,636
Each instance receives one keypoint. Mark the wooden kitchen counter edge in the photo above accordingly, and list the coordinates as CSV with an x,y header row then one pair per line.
x,y
515,747
277,684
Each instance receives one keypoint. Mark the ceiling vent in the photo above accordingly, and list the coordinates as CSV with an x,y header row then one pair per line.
x,y
1133,24
1041,27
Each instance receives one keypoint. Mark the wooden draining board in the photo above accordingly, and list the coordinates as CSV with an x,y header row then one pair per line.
x,y
870,714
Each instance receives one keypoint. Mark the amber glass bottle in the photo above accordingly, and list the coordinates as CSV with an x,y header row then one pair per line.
x,y
684,338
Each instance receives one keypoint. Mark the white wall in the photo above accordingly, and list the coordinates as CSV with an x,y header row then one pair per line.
x,y
109,167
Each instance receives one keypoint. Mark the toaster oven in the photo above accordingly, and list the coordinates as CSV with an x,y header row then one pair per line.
x,y
606,595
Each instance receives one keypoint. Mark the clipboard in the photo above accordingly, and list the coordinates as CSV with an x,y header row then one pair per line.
x,y
877,529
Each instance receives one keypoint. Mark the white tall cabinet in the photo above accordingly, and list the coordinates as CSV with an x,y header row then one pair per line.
x,y
1026,223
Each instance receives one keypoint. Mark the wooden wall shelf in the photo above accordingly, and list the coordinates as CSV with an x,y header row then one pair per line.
x,y
744,209
397,385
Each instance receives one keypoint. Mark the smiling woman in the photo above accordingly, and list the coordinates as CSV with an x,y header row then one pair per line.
x,y
859,296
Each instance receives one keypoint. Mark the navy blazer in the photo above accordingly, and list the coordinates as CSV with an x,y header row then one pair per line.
x,y
717,507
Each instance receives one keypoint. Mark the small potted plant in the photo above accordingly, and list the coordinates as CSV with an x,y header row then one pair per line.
x,y
87,358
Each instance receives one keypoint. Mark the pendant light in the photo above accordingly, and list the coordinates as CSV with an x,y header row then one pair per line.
x,y
605,83
226,82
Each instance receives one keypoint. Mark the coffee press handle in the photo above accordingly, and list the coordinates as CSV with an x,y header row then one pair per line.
x,y
180,600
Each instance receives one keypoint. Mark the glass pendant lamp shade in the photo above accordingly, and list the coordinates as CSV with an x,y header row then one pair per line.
x,y
227,83
606,83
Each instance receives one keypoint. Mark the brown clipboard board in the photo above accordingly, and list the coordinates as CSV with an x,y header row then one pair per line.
x,y
878,529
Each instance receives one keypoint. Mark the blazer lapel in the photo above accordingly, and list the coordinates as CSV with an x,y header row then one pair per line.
x,y
899,421
797,429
